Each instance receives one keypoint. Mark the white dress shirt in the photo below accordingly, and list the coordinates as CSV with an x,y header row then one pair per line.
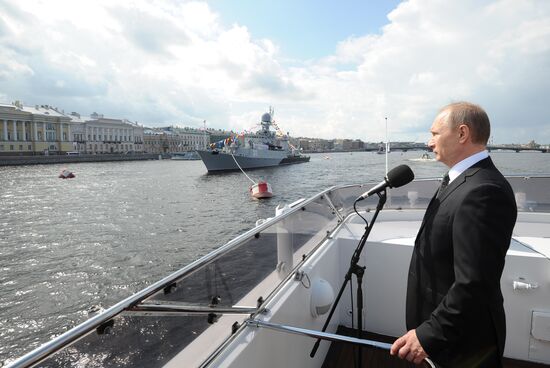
x,y
460,167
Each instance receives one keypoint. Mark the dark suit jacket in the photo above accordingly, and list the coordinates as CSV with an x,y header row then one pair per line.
x,y
454,299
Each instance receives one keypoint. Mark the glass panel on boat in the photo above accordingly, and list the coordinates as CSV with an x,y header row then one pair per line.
x,y
416,194
256,266
313,217
131,341
343,198
532,194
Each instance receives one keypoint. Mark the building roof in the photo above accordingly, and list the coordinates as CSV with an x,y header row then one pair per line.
x,y
45,110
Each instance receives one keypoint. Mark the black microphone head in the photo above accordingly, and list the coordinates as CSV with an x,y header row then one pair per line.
x,y
399,176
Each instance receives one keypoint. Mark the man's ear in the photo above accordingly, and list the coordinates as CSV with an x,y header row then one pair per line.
x,y
463,133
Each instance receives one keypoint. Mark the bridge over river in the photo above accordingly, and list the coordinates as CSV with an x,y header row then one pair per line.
x,y
516,148
506,147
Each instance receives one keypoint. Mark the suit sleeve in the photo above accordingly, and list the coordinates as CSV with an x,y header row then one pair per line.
x,y
481,232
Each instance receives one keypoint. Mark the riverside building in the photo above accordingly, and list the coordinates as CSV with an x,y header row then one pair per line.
x,y
45,130
26,130
99,135
174,139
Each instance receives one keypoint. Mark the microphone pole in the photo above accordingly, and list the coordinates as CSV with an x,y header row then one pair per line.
x,y
358,271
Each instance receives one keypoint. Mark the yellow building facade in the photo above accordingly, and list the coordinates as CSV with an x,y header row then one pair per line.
x,y
37,130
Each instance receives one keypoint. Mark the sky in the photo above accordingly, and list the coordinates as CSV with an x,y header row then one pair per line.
x,y
330,69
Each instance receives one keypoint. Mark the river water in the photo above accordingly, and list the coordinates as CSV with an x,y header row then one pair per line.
x,y
117,227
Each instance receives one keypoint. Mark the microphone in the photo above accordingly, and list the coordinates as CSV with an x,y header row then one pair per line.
x,y
396,177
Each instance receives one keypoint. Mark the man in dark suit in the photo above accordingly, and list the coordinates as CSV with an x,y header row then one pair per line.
x,y
455,314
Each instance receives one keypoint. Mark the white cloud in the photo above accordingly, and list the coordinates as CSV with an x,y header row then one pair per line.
x,y
175,62
435,52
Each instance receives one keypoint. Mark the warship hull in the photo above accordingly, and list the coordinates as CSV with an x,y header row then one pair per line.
x,y
222,161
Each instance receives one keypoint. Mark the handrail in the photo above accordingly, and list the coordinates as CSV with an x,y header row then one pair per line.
x,y
181,308
317,334
324,336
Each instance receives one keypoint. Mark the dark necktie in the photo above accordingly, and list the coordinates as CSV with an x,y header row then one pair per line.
x,y
443,185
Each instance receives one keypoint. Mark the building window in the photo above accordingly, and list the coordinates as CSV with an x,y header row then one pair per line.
x,y
11,147
1,147
29,147
20,147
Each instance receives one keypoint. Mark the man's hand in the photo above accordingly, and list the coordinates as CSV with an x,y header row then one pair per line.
x,y
408,347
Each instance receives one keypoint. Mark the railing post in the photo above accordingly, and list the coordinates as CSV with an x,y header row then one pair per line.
x,y
284,243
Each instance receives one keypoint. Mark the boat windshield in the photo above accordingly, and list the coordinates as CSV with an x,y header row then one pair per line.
x,y
231,283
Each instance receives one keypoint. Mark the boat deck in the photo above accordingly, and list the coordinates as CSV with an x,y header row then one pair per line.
x,y
341,355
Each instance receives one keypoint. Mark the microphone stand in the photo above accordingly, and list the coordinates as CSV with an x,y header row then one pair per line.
x,y
358,271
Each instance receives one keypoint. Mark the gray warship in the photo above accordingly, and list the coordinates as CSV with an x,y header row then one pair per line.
x,y
264,148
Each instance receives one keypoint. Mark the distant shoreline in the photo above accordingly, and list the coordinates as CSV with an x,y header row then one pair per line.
x,y
62,159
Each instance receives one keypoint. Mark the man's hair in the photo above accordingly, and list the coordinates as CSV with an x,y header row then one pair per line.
x,y
471,115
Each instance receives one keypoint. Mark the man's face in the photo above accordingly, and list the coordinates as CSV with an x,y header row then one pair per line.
x,y
444,141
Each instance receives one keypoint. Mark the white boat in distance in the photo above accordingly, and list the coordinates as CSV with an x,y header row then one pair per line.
x,y
264,148
262,299
424,158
